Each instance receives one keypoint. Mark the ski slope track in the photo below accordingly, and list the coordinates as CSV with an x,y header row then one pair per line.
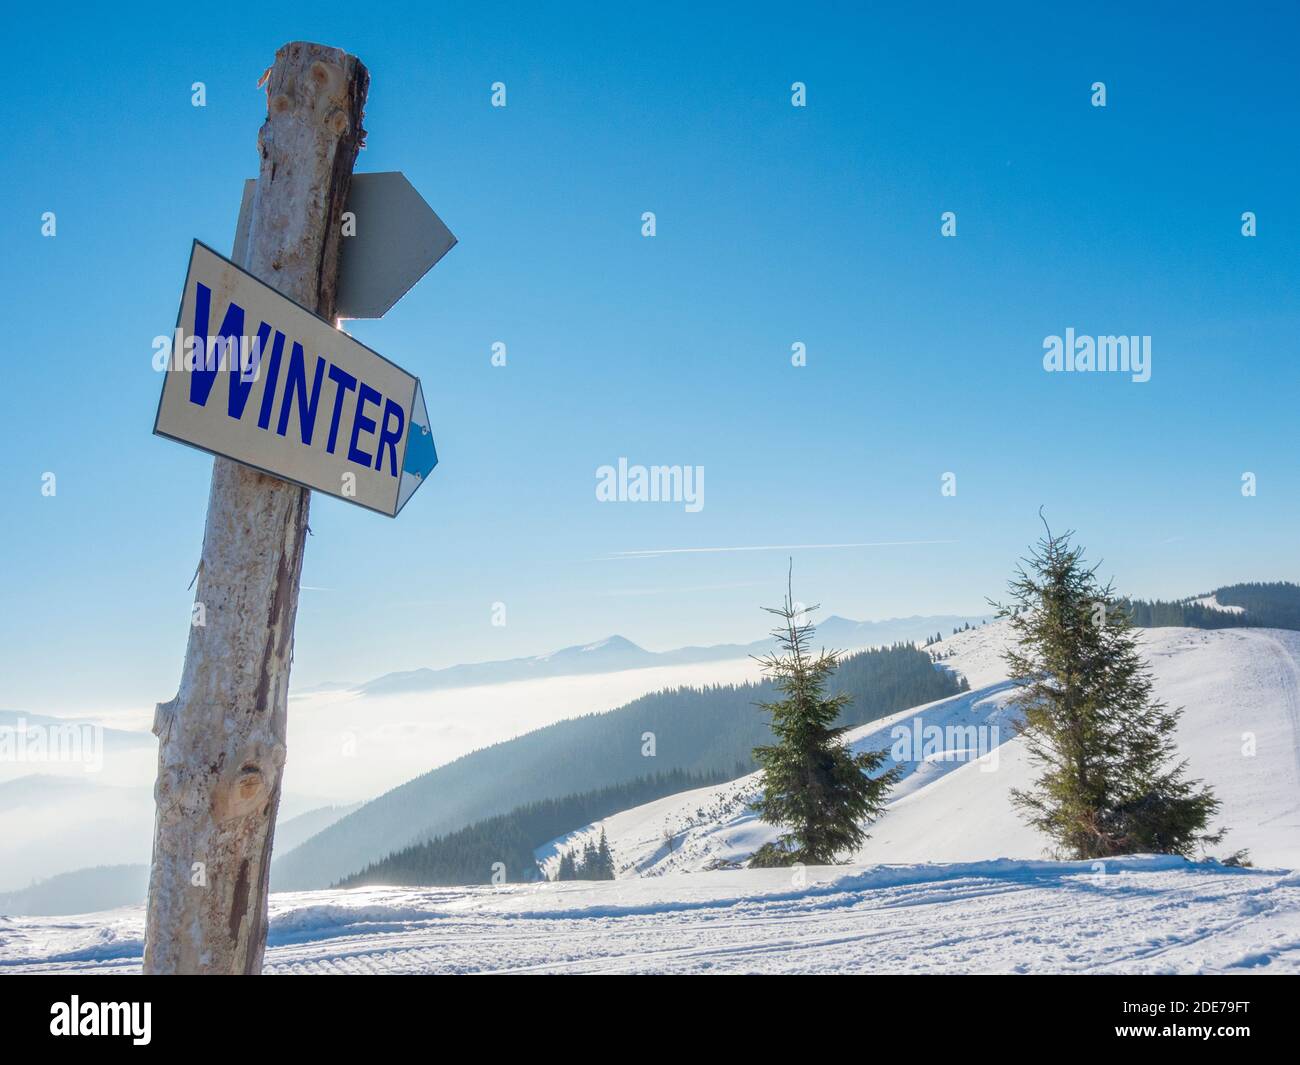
x,y
1132,915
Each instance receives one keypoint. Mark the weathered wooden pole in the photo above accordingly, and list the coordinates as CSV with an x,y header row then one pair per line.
x,y
221,746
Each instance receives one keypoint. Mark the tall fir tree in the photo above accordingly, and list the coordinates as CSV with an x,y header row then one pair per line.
x,y
1108,780
813,785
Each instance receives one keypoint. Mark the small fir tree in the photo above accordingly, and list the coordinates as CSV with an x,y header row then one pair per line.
x,y
813,785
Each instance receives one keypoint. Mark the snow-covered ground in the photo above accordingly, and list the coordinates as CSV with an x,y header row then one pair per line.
x,y
995,907
1240,731
1133,915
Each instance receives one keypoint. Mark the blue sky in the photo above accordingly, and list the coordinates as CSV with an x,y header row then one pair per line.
x,y
775,224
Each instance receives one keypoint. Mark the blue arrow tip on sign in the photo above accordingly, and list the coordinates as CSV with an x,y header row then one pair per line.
x,y
421,456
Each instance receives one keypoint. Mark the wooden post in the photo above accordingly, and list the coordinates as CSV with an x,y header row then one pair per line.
x,y
221,740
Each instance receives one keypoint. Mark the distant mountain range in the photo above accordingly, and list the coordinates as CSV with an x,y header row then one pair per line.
x,y
617,653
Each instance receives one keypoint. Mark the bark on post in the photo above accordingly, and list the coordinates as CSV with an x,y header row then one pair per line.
x,y
221,740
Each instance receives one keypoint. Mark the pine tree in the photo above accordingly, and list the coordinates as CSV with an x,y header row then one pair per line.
x,y
587,866
567,870
1108,782
813,785
604,859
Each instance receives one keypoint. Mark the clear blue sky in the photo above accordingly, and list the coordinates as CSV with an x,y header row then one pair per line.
x,y
775,225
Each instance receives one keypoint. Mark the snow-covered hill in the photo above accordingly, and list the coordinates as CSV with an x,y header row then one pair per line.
x,y
1136,915
995,907
1240,731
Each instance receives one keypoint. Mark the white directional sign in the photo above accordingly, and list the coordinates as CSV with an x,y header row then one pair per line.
x,y
259,379
390,239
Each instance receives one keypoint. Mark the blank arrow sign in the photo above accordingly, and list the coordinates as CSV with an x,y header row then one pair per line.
x,y
397,240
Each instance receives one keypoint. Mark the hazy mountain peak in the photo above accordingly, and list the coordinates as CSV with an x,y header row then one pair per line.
x,y
612,642
617,652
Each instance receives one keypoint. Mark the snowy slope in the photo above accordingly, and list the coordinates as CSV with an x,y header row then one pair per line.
x,y
713,826
1139,915
1234,684
1210,602
995,908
